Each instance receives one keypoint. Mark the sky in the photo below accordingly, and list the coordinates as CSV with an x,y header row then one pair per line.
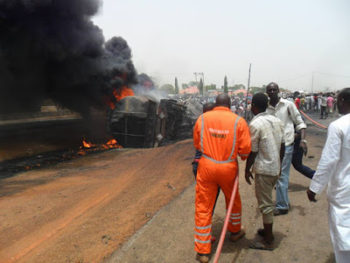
x,y
300,44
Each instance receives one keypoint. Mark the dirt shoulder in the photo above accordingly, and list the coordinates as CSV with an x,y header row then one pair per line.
x,y
83,210
301,236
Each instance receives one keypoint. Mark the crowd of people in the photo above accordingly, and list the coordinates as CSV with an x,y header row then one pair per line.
x,y
324,102
274,140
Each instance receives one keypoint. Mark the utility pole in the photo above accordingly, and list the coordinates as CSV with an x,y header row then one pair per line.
x,y
246,98
195,76
312,83
200,74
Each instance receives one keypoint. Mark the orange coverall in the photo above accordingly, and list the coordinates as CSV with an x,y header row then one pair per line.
x,y
220,135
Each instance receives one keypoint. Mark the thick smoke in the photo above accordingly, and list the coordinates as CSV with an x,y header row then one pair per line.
x,y
51,49
147,87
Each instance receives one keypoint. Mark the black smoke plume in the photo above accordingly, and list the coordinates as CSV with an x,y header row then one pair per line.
x,y
52,49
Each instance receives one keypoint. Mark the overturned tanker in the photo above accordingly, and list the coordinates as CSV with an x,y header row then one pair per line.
x,y
142,121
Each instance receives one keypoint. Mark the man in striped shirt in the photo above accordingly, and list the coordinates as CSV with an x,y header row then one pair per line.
x,y
267,134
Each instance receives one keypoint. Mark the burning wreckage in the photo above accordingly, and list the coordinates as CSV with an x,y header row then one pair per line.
x,y
52,50
142,121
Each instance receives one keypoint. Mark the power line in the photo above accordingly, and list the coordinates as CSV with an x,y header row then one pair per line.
x,y
331,74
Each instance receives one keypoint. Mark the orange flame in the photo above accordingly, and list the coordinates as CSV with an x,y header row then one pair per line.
x,y
113,144
123,92
87,144
119,94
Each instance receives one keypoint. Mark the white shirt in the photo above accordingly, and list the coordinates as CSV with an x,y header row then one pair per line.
x,y
334,169
288,113
267,134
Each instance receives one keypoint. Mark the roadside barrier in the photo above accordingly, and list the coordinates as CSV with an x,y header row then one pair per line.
x,y
224,229
313,121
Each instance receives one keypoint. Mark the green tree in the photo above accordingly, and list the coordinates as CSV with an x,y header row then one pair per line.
x,y
193,83
241,95
238,86
254,90
210,87
176,86
225,85
168,88
200,87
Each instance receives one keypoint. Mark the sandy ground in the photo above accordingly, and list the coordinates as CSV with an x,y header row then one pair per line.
x,y
137,205
82,210
301,236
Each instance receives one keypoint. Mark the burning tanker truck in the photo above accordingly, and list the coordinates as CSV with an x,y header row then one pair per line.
x,y
146,120
52,50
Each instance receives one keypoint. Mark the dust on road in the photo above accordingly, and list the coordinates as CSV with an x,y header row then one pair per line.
x,y
82,210
301,236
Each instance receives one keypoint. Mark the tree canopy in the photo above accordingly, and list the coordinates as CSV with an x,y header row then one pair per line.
x,y
168,88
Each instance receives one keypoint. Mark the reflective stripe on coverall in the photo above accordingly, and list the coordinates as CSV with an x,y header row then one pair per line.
x,y
220,135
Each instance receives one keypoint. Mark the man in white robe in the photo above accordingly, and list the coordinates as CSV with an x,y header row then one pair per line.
x,y
334,170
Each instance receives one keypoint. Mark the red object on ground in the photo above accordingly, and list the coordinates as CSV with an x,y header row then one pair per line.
x,y
224,229
314,122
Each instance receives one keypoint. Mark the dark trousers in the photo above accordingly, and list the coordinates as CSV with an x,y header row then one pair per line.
x,y
297,161
324,112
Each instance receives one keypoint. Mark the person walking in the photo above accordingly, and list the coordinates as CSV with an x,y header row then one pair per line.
x,y
267,134
290,117
334,170
221,136
297,159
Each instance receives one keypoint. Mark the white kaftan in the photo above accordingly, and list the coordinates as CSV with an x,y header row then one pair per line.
x,y
334,169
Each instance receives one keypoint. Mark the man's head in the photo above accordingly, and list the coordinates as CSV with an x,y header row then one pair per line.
x,y
223,100
343,101
259,103
208,106
296,94
272,90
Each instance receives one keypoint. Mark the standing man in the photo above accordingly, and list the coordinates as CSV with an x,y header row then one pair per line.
x,y
221,136
324,111
267,135
290,117
334,169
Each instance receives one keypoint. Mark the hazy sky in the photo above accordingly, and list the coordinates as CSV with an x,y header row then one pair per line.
x,y
284,40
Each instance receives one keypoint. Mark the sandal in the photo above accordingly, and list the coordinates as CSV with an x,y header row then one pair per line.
x,y
261,245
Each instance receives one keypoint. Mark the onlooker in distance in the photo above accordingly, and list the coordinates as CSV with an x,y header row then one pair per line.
x,y
330,101
324,113
267,134
334,170
290,117
319,101
302,102
297,99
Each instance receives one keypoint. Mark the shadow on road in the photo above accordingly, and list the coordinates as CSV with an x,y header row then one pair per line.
x,y
331,258
297,187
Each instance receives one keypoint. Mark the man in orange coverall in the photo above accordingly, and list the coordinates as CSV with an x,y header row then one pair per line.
x,y
220,135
